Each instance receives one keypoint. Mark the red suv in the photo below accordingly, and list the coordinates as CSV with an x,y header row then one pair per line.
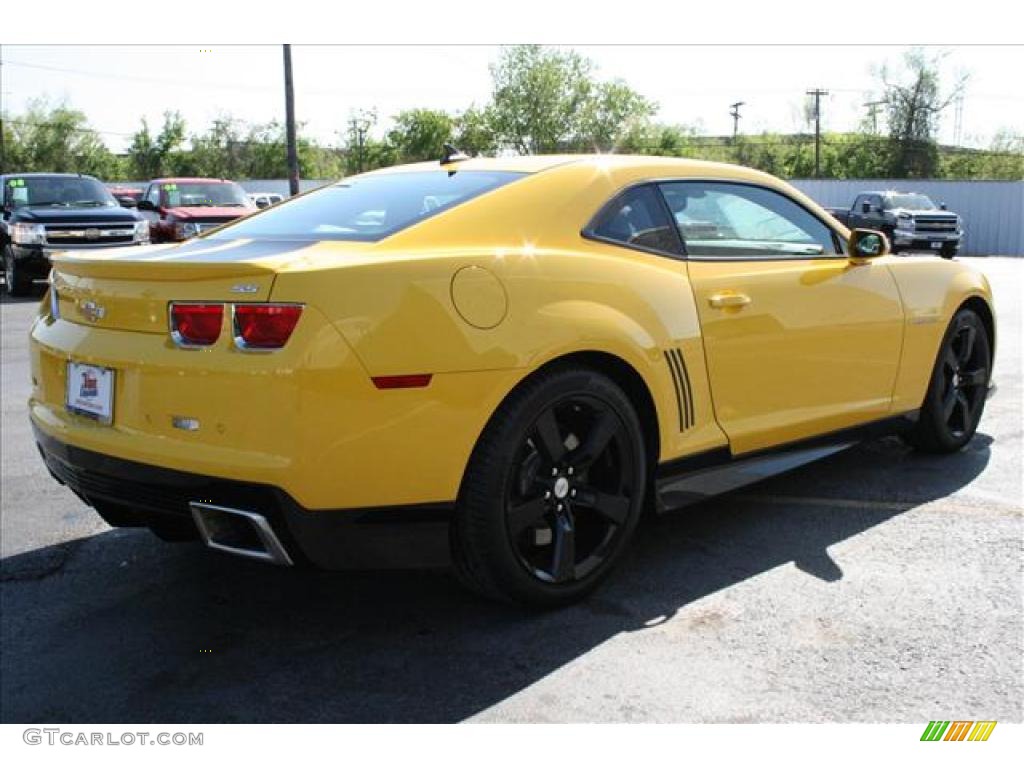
x,y
178,209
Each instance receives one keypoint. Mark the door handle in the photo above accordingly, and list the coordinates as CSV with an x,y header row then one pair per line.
x,y
728,299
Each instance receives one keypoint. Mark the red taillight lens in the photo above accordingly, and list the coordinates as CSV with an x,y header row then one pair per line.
x,y
265,326
196,324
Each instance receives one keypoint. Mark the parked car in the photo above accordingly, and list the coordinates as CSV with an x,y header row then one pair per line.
x,y
128,197
180,208
48,212
910,220
265,199
497,360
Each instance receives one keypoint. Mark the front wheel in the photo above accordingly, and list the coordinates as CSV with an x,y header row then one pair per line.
x,y
959,385
948,250
16,282
553,490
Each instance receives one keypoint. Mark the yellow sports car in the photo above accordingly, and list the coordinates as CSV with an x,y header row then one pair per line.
x,y
497,362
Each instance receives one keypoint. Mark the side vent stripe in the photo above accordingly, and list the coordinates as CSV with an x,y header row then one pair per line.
x,y
684,392
689,391
675,382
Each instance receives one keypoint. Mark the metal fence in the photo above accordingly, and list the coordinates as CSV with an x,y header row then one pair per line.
x,y
992,211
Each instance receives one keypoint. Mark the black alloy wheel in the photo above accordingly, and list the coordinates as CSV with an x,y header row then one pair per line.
x,y
958,389
569,494
553,491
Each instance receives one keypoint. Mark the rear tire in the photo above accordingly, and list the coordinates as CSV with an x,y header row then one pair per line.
x,y
959,385
553,491
16,282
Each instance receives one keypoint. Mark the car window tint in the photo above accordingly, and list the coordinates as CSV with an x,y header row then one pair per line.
x,y
638,218
367,208
737,220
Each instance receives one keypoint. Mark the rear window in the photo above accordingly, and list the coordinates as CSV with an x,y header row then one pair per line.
x,y
368,208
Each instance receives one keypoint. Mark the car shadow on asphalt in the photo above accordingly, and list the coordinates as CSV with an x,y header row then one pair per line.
x,y
120,627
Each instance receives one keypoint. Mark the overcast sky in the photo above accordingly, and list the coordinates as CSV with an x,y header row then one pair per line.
x,y
118,85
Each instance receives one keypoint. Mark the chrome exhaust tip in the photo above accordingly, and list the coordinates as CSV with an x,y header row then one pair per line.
x,y
247,534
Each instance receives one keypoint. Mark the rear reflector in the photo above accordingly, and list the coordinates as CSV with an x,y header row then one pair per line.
x,y
196,325
265,326
408,381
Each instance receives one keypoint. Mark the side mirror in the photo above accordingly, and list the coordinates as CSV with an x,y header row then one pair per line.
x,y
126,202
866,244
942,206
145,205
865,207
261,203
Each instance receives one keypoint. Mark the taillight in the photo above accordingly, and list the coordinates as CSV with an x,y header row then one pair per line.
x,y
196,325
265,326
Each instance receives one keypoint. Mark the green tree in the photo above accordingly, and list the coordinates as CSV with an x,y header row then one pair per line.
x,y
546,100
362,151
150,157
418,134
913,108
474,131
57,139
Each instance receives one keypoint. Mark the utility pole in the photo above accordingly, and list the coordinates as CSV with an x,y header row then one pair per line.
x,y
289,123
958,120
873,113
817,93
734,111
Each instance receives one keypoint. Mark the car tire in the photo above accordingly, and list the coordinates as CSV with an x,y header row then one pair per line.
x,y
958,387
553,490
16,282
948,251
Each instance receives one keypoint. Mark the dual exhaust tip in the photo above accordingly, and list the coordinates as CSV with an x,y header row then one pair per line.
x,y
238,532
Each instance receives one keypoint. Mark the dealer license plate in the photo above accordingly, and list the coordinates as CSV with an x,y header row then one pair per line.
x,y
90,391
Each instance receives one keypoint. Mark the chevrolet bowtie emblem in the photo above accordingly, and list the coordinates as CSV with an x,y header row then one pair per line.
x,y
92,311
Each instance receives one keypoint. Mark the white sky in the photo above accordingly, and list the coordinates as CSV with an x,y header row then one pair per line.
x,y
693,84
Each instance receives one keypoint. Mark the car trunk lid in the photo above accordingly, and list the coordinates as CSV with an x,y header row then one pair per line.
x,y
130,288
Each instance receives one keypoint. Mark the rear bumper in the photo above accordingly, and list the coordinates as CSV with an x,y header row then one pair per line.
x,y
405,536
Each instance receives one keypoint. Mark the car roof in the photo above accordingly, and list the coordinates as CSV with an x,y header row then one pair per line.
x,y
652,166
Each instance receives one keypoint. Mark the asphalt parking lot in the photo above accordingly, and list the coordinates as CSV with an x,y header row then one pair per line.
x,y
875,586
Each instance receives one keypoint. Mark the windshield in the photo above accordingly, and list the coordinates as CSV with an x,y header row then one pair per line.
x,y
367,208
912,202
57,192
204,194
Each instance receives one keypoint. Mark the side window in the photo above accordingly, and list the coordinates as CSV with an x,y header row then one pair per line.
x,y
153,194
637,218
721,219
858,206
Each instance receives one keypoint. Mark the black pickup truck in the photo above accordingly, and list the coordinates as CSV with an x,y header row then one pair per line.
x,y
910,220
48,212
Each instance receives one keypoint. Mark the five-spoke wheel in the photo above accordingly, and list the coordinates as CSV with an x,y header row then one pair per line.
x,y
958,388
553,491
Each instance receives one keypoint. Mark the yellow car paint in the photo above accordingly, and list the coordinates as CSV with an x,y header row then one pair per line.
x,y
481,296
